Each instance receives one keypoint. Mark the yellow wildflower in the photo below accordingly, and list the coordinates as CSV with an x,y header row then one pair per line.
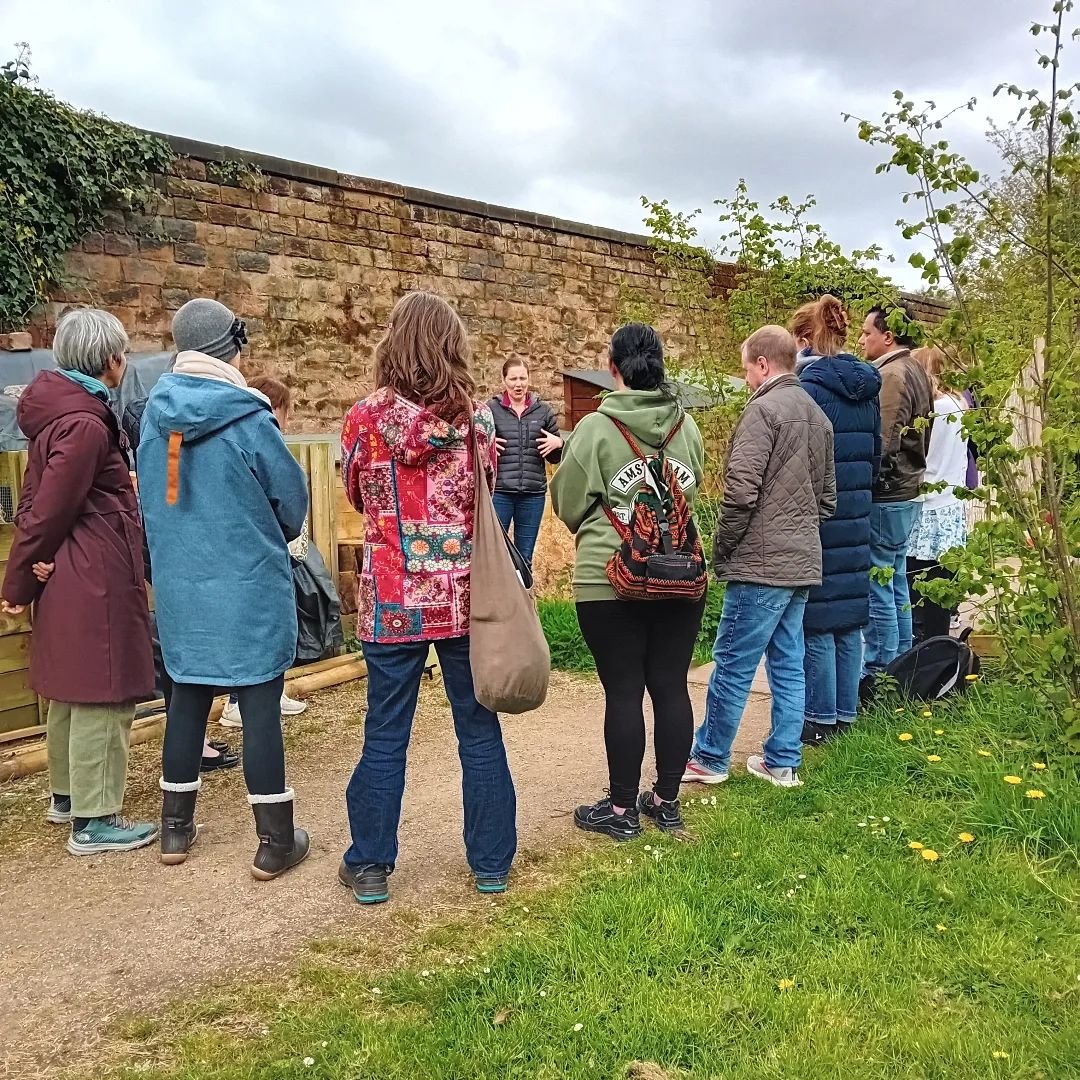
x,y
915,845
1038,766
941,928
932,757
1035,793
898,711
785,984
939,731
929,854
905,736
966,838
999,1054
1012,780
927,714
971,678
985,753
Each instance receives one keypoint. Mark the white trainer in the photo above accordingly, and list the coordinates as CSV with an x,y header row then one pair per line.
x,y
231,716
292,707
755,766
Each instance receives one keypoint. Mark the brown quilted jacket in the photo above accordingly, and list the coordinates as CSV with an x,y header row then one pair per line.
x,y
779,485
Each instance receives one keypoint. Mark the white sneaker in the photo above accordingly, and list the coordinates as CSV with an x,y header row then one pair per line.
x,y
755,766
292,707
231,716
696,773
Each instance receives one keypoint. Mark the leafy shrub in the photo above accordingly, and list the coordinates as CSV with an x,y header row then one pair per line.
x,y
568,649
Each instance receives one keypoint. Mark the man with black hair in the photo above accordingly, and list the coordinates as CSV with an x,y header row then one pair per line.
x,y
907,406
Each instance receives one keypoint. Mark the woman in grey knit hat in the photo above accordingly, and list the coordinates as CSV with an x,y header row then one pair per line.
x,y
222,498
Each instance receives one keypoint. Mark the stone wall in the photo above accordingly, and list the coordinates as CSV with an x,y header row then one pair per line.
x,y
315,260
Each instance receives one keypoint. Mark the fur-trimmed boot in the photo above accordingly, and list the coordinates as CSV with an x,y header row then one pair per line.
x,y
281,844
178,828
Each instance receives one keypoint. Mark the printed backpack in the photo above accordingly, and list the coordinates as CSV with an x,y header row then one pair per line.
x,y
935,668
660,557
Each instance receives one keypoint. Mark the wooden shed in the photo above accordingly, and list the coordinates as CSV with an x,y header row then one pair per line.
x,y
583,389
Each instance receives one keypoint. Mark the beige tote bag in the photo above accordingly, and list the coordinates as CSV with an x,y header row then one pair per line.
x,y
509,655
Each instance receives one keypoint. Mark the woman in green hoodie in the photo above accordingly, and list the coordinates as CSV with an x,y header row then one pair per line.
x,y
638,645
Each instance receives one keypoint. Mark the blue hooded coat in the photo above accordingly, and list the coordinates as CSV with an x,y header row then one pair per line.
x,y
846,389
223,584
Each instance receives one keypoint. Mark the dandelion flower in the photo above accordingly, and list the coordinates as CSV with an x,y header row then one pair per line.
x,y
927,714
648,847
899,711
985,753
1035,793
1012,779
999,1054
933,757
1038,766
785,984
915,845
929,854
905,736
973,678
941,928
579,1027
736,854
966,838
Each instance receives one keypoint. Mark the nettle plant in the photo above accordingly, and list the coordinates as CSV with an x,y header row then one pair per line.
x,y
765,263
1006,250
60,170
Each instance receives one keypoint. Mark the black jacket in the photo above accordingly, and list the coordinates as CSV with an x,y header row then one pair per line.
x,y
521,468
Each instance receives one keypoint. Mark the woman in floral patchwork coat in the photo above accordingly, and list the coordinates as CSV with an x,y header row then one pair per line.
x,y
407,466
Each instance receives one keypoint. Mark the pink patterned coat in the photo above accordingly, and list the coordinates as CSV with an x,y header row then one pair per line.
x,y
410,473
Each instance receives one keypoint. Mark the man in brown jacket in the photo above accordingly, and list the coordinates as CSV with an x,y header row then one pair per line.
x,y
907,406
779,485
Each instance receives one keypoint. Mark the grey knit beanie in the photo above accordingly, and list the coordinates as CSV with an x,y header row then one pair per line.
x,y
208,327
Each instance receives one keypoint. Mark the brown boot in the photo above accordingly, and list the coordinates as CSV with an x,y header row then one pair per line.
x,y
281,844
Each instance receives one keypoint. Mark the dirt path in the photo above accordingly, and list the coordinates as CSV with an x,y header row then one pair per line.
x,y
85,940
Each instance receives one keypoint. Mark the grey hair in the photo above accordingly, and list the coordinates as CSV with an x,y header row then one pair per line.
x,y
86,338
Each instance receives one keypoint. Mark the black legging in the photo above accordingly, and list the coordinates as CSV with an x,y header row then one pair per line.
x,y
928,619
264,751
643,645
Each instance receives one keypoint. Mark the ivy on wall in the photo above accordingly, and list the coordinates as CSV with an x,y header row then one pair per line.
x,y
60,170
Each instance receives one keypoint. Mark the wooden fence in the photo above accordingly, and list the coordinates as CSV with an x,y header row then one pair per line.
x,y
22,713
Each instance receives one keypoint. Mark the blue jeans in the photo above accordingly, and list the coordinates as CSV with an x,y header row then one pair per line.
x,y
889,632
373,797
757,620
833,668
526,512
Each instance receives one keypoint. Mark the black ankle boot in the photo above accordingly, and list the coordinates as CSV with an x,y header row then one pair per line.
x,y
178,828
281,844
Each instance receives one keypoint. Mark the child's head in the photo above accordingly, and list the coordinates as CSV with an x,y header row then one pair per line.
x,y
279,395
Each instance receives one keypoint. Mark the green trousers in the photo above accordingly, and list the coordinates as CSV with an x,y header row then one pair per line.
x,y
88,755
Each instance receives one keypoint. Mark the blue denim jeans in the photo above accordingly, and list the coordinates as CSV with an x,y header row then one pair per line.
x,y
757,620
889,632
833,668
526,512
373,797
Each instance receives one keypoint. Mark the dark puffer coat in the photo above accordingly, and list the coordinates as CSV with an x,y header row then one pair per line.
x,y
846,389
521,467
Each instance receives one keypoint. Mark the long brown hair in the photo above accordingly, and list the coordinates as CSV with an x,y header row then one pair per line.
x,y
424,356
802,324
829,322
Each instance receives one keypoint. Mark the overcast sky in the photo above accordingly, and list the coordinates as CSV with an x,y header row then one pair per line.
x,y
568,108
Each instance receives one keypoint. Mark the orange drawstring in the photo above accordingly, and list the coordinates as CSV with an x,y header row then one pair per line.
x,y
172,488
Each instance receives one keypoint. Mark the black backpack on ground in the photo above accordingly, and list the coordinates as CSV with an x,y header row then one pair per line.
x,y
935,668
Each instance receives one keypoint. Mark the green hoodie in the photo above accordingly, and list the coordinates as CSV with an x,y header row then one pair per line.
x,y
599,467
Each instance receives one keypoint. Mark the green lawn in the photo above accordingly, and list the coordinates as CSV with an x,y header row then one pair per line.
x,y
800,935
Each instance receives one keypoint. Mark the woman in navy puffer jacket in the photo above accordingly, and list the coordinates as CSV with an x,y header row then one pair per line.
x,y
846,389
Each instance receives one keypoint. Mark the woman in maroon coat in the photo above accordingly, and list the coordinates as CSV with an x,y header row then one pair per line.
x,y
77,556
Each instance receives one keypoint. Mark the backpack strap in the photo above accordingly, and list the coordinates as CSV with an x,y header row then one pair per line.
x,y
676,428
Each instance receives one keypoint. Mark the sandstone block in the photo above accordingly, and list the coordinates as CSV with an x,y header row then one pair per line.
x,y
254,262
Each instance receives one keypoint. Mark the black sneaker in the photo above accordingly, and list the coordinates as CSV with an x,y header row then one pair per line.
x,y
602,819
368,883
814,734
665,816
